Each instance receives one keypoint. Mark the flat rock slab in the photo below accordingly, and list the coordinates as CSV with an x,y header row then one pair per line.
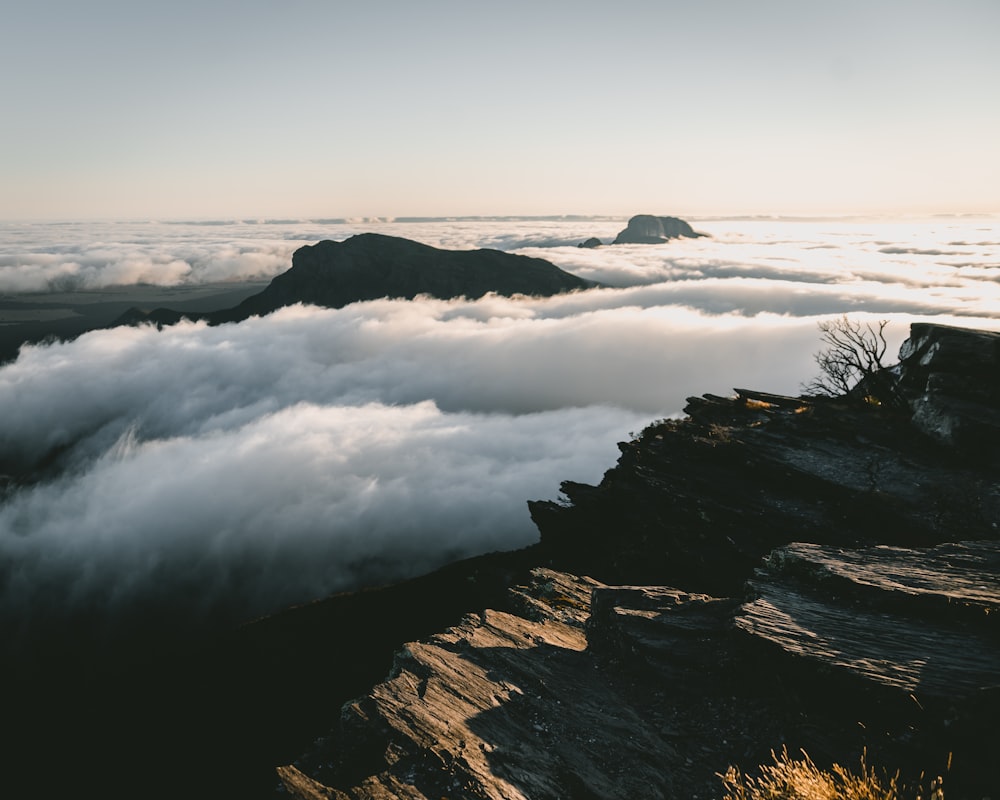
x,y
525,705
500,706
923,621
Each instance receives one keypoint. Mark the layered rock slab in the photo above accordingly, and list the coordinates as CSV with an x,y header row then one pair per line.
x,y
924,621
597,691
589,691
502,705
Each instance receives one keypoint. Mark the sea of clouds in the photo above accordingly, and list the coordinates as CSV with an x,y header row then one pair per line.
x,y
223,472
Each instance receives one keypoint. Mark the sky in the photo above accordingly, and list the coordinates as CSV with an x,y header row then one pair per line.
x,y
317,109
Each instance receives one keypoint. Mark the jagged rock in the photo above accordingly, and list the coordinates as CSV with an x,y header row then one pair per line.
x,y
952,376
370,266
698,502
649,229
593,241
923,621
600,691
518,706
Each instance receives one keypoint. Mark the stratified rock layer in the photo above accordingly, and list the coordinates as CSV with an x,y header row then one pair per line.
x,y
919,620
518,706
628,692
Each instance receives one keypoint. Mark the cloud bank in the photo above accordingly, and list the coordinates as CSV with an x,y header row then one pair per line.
x,y
219,473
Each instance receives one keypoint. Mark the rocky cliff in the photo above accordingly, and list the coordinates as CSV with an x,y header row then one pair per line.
x,y
649,229
770,571
370,266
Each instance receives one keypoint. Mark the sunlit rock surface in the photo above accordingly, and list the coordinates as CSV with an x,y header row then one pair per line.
x,y
551,702
921,620
589,690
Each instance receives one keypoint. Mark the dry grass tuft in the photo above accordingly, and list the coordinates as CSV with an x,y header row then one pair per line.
x,y
801,779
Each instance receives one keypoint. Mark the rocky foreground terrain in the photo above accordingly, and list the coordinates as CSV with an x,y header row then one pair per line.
x,y
768,572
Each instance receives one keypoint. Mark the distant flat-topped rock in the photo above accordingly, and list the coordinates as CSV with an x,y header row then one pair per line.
x,y
649,229
371,266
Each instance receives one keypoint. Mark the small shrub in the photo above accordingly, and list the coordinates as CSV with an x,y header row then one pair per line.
x,y
801,779
852,352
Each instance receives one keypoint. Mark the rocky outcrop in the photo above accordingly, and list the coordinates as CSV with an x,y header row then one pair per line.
x,y
371,266
535,704
812,573
591,243
649,229
921,621
599,691
698,502
952,378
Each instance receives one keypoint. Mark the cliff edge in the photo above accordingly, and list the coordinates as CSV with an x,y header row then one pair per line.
x,y
769,571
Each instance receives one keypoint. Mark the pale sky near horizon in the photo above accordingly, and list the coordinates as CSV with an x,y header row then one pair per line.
x,y
326,109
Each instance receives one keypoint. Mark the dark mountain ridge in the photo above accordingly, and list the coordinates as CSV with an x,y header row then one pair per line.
x,y
370,266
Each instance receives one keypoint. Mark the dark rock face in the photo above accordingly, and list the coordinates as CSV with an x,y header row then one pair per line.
x,y
648,229
371,266
952,376
698,502
812,573
920,621
590,243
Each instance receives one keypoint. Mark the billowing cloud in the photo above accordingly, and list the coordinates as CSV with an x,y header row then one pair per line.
x,y
287,507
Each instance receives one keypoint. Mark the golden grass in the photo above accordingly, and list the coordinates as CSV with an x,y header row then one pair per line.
x,y
801,779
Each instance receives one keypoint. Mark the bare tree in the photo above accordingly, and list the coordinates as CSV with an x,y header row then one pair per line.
x,y
853,351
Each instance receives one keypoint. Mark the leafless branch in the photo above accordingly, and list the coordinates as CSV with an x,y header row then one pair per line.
x,y
852,351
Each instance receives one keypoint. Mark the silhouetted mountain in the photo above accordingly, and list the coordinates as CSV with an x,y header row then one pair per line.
x,y
648,229
370,266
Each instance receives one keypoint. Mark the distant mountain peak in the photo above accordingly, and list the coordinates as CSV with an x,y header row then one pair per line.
x,y
650,229
370,266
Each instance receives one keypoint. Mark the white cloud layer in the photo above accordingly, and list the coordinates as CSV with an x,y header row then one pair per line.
x,y
238,468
